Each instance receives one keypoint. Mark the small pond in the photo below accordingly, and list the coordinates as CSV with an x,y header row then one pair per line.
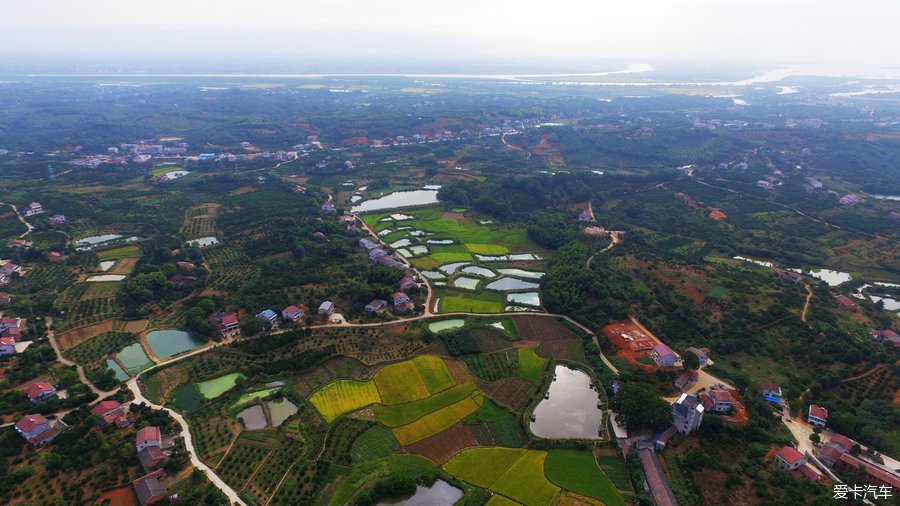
x,y
398,199
510,258
571,410
432,187
418,250
175,174
757,262
433,274
401,243
521,273
451,268
832,278
528,298
204,242
215,387
417,233
254,417
440,493
107,265
355,198
97,239
479,271
404,252
505,284
385,232
465,283
167,343
281,410
134,359
440,241
121,375
105,277
442,325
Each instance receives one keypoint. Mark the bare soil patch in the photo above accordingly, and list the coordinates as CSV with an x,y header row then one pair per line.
x,y
513,393
542,328
458,371
123,266
440,447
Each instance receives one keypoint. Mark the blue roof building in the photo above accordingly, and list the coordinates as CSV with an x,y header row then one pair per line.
x,y
268,315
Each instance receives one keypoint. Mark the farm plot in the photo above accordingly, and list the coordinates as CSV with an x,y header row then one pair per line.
x,y
299,485
342,436
103,290
577,471
542,328
119,252
344,396
374,444
566,349
101,346
395,415
525,481
461,342
531,366
370,471
124,266
263,484
510,392
483,466
246,455
614,468
440,447
439,420
212,433
494,426
199,221
412,379
55,276
341,367
455,301
494,366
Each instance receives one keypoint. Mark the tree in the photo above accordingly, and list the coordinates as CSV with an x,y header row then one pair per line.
x,y
690,361
639,405
251,325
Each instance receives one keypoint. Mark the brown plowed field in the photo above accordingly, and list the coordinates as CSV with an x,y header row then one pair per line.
x,y
74,337
510,392
441,447
568,349
542,328
123,266
459,371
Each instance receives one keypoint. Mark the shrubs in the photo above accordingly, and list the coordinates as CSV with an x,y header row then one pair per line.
x,y
461,342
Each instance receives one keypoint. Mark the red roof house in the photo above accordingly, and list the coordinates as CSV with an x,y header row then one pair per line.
x,y
148,436
789,458
817,415
39,391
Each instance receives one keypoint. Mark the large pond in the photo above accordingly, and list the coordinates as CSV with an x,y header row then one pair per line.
x,y
440,493
254,417
570,411
281,410
166,343
465,283
439,326
204,242
134,359
506,284
529,298
402,243
215,387
120,373
479,271
832,278
398,199
889,303
418,250
521,273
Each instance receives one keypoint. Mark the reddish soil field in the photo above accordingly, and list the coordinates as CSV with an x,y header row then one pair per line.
x,y
510,392
123,496
688,288
639,343
453,216
542,328
459,371
740,416
441,447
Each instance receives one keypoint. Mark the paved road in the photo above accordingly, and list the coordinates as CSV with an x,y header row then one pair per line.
x,y
21,218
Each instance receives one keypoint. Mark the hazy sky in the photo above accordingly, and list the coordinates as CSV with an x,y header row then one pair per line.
x,y
789,31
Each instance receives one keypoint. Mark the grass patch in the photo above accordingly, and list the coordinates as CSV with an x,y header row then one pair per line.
x,y
487,249
101,290
120,252
375,443
483,466
718,292
402,414
425,263
454,304
343,396
439,421
530,365
516,473
249,397
434,373
370,471
577,471
210,389
448,257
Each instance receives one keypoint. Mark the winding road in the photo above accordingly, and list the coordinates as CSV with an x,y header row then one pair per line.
x,y
29,226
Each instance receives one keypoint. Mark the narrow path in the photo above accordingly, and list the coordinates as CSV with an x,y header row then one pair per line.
x,y
21,218
865,374
809,296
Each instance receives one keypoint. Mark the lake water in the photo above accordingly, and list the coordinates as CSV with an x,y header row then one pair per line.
x,y
254,418
529,298
442,325
166,343
121,375
479,271
832,278
451,268
440,493
397,200
204,242
889,303
433,274
281,410
521,273
215,387
107,265
506,284
134,359
465,283
571,411
105,277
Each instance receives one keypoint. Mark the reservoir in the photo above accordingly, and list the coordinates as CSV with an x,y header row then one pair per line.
x,y
166,343
397,200
440,493
571,411
121,375
512,284
134,359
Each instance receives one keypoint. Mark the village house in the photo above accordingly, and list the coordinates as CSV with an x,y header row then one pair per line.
x,y
33,209
817,416
186,265
7,346
40,390
57,219
402,302
146,437
16,243
886,335
151,458
377,306
37,430
874,475
327,207
9,269
110,412
180,279
11,326
717,214
148,489
292,313
326,309
722,399
765,185
227,323
663,356
789,458
845,302
830,453
407,283
686,380
585,215
771,392
5,299
850,200
702,355
687,413
268,315
55,256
